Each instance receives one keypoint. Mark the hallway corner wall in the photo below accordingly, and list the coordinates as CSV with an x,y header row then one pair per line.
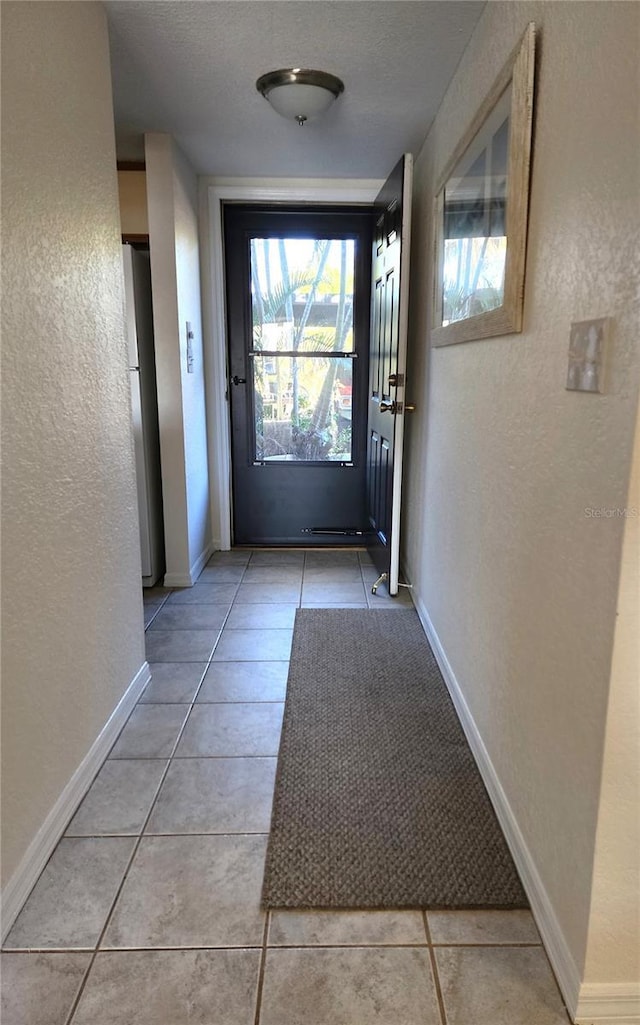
x,y
72,623
172,197
614,921
506,470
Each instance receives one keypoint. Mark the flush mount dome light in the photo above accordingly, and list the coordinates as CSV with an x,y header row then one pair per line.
x,y
300,93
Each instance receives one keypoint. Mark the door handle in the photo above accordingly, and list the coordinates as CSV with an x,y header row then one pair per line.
x,y
238,380
395,407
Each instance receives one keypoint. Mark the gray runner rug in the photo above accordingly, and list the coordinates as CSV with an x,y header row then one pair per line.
x,y
378,801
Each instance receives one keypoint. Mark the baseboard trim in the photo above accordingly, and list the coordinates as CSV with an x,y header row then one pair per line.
x,y
41,847
608,1004
189,579
201,561
178,580
560,956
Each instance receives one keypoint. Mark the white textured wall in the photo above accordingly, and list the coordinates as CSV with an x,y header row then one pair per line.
x,y
185,191
502,462
175,271
614,924
159,162
71,596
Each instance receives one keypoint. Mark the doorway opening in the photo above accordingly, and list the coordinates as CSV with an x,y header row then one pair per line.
x,y
298,286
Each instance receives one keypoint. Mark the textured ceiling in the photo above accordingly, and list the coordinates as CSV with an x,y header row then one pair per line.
x,y
189,68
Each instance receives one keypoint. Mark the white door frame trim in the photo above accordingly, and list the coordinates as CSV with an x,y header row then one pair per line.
x,y
212,193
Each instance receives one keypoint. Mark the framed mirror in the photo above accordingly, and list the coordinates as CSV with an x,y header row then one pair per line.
x,y
481,211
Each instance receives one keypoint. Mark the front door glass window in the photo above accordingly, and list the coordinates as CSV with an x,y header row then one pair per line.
x,y
302,348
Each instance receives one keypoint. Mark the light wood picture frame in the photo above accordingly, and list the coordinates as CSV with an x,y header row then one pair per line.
x,y
481,212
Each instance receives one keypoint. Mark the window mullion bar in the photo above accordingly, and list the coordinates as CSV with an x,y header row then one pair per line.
x,y
272,353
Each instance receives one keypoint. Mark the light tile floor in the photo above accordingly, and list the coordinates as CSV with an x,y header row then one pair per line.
x,y
148,911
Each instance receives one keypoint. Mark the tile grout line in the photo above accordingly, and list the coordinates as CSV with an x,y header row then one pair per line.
x,y
226,832
112,907
206,662
262,969
189,758
485,946
129,950
418,945
161,605
94,953
434,970
345,946
196,661
364,583
147,625
271,701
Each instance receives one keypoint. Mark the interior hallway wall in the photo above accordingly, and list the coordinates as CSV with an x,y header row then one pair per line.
x,y
172,199
614,922
72,620
504,467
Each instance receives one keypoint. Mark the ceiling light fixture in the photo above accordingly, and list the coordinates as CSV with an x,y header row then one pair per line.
x,y
300,93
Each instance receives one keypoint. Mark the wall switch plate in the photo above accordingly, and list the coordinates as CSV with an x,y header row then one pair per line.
x,y
189,348
587,355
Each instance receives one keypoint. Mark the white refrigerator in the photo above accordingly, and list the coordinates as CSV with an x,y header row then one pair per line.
x,y
144,404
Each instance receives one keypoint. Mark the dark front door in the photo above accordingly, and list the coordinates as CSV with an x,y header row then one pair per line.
x,y
388,352
298,303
